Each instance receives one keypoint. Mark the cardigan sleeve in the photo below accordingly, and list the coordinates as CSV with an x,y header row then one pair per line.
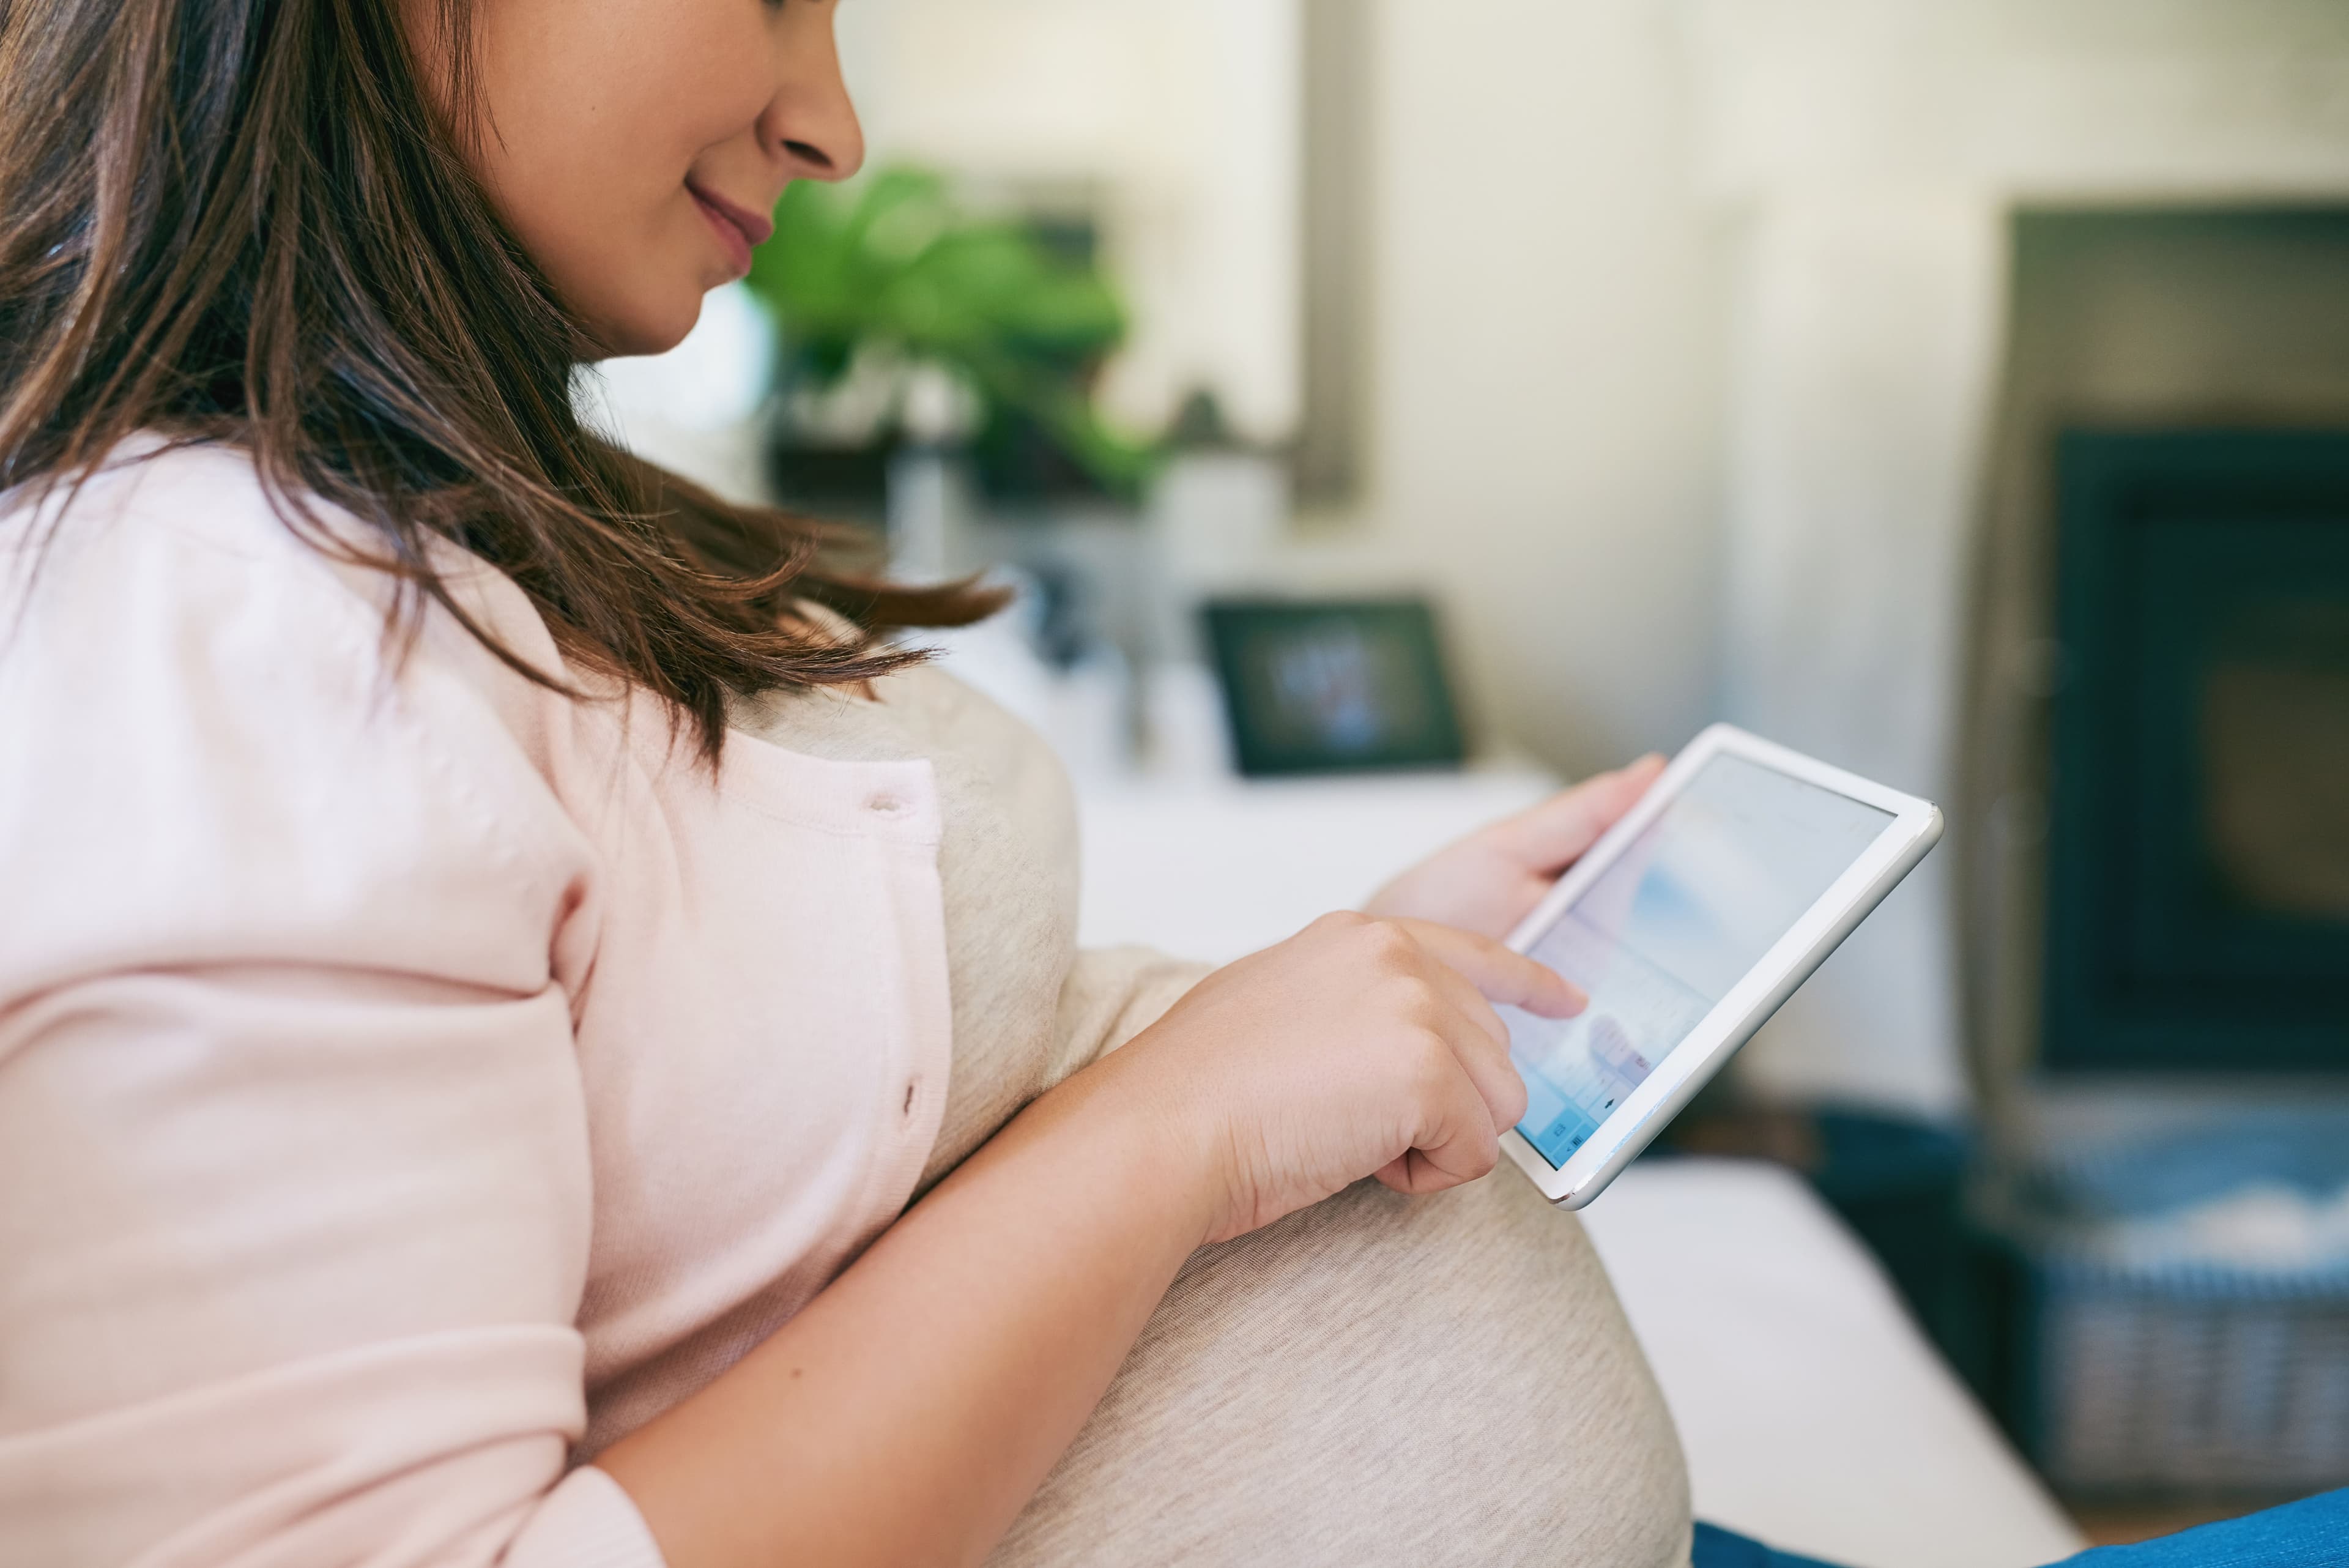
x,y
293,1180
291,1262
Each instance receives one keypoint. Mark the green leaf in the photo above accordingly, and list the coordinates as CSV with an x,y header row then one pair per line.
x,y
890,260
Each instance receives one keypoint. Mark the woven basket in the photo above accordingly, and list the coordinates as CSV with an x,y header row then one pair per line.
x,y
2196,1381
2151,1370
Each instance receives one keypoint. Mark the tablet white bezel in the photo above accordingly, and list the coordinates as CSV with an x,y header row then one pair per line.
x,y
1916,824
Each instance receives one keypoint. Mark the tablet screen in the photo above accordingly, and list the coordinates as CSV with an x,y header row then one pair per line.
x,y
1708,887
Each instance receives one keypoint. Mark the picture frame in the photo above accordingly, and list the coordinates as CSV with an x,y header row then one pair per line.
x,y
1333,686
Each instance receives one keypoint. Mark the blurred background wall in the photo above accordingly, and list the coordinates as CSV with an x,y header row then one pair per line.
x,y
1548,333
1540,302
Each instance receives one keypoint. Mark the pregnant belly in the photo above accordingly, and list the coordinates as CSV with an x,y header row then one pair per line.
x,y
1378,1379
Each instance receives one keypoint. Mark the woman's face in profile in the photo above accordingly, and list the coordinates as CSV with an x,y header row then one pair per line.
x,y
636,147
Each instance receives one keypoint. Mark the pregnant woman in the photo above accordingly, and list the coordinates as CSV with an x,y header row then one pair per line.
x,y
532,1033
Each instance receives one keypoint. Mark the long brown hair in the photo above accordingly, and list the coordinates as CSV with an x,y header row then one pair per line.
x,y
239,220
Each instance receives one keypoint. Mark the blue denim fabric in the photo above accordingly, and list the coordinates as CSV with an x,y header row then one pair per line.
x,y
2311,1533
1717,1548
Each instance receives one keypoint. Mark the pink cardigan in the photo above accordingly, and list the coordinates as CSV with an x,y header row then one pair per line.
x,y
397,1065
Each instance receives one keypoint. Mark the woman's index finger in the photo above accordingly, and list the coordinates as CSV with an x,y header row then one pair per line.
x,y
1501,973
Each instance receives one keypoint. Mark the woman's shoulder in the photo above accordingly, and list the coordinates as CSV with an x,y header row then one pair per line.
x,y
217,746
189,533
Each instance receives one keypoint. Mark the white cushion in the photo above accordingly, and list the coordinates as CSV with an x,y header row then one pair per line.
x,y
1815,1415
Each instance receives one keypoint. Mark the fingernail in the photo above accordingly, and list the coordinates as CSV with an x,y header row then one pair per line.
x,y
1576,999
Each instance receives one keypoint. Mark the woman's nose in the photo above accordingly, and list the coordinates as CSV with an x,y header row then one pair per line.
x,y
813,122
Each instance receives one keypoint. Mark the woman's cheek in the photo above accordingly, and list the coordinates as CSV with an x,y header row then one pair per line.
x,y
599,110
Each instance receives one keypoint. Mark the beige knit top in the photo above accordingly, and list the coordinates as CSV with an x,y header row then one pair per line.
x,y
1442,1380
1028,1007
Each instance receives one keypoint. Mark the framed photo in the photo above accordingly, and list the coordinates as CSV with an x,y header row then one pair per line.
x,y
1333,686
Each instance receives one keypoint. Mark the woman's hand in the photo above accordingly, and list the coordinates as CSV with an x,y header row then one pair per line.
x,y
1358,1047
1493,878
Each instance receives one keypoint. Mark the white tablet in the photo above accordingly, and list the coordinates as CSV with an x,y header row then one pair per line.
x,y
1689,923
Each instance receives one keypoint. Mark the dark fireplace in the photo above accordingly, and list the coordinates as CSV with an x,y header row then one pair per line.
x,y
2158,902
2198,851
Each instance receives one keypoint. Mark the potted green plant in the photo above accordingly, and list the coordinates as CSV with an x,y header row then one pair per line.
x,y
886,287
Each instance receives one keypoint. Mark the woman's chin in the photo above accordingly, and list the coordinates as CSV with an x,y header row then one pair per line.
x,y
651,327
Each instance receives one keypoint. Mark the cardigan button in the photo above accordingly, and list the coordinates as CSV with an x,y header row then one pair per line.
x,y
886,805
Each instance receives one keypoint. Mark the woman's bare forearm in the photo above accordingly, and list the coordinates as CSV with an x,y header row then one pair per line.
x,y
908,1413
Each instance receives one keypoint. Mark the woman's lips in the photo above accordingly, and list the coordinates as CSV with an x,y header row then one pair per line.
x,y
738,229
